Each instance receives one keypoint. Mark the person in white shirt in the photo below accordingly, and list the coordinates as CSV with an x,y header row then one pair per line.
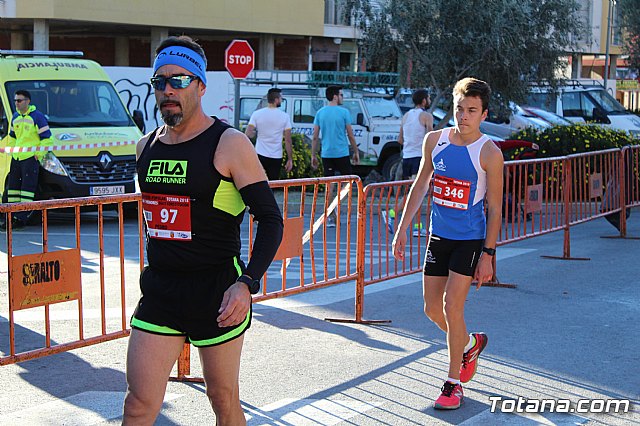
x,y
416,123
271,124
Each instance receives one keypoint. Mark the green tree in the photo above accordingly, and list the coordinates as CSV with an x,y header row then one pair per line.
x,y
630,16
508,43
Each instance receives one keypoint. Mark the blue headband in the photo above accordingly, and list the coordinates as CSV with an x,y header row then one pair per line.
x,y
182,57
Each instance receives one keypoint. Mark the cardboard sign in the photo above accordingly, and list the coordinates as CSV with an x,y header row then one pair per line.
x,y
291,245
45,278
595,185
534,198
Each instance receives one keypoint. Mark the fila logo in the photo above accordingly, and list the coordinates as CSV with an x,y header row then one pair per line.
x,y
440,166
168,168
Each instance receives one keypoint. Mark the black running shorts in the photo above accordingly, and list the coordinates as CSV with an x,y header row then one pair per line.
x,y
187,304
459,256
340,165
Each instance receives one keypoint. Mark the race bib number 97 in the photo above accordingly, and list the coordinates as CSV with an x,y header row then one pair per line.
x,y
449,192
168,217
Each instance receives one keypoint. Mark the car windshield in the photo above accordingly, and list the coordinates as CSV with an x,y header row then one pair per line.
x,y
380,107
68,103
547,116
607,102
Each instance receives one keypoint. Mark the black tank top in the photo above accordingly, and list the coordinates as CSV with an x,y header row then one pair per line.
x,y
192,212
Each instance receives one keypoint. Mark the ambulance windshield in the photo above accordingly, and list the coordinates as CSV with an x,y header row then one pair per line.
x,y
74,103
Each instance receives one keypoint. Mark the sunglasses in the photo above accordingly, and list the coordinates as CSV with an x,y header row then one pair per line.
x,y
175,81
19,100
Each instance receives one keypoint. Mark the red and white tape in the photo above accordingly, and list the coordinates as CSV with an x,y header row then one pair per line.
x,y
15,149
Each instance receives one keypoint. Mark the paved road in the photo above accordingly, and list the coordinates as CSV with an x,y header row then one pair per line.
x,y
569,330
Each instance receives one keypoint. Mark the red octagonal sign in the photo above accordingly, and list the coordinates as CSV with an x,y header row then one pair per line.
x,y
239,59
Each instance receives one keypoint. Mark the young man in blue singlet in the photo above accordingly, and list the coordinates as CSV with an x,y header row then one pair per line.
x,y
465,168
197,175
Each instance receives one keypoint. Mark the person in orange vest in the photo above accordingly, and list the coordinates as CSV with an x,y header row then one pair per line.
x,y
29,129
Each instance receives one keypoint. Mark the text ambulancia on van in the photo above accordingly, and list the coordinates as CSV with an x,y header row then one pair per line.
x,y
93,135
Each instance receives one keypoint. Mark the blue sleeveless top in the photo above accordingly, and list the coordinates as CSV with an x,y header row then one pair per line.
x,y
459,187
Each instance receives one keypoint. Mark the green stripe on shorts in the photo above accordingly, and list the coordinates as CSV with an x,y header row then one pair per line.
x,y
228,336
152,328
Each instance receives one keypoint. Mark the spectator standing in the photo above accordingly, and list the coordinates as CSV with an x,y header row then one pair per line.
x,y
271,124
416,123
29,129
334,122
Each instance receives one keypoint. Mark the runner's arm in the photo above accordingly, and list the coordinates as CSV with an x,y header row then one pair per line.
x,y
492,162
236,157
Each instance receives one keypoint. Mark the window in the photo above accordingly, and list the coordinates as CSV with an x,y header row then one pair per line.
x,y
247,106
354,109
577,104
68,103
543,100
304,110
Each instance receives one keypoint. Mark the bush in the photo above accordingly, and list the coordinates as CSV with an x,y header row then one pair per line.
x,y
559,141
301,160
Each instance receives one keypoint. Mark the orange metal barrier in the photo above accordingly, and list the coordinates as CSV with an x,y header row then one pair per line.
x,y
47,281
541,196
330,256
311,255
380,200
629,184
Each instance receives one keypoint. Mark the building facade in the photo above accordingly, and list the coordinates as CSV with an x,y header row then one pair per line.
x,y
285,34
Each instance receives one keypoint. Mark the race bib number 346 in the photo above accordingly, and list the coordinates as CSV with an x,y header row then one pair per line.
x,y
168,217
449,192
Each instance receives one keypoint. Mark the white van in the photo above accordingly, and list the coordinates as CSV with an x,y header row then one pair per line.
x,y
375,120
585,101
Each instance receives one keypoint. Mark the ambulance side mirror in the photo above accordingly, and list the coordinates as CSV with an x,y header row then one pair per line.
x,y
4,127
138,118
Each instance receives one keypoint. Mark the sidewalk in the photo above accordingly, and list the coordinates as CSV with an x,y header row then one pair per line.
x,y
569,330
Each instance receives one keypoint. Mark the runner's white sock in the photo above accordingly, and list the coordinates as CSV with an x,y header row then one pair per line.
x,y
454,381
472,342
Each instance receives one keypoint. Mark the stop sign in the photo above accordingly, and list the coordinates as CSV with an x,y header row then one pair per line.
x,y
239,58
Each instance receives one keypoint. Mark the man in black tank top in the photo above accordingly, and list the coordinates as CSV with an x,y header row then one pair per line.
x,y
197,175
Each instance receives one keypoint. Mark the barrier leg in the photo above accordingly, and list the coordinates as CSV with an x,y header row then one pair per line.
x,y
184,367
359,308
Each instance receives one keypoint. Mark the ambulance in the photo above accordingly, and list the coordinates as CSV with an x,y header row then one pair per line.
x,y
94,136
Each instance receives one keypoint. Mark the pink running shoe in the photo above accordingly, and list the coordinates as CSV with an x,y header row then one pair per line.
x,y
470,358
450,398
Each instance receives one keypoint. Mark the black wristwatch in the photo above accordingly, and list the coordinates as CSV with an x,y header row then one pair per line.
x,y
489,251
254,285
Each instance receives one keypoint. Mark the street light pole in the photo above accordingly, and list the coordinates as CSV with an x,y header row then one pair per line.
x,y
606,55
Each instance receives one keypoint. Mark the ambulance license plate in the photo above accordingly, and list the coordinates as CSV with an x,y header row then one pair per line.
x,y
106,190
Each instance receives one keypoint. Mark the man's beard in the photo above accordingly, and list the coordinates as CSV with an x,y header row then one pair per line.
x,y
172,120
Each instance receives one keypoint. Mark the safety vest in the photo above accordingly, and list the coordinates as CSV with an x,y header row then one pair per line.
x,y
29,130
